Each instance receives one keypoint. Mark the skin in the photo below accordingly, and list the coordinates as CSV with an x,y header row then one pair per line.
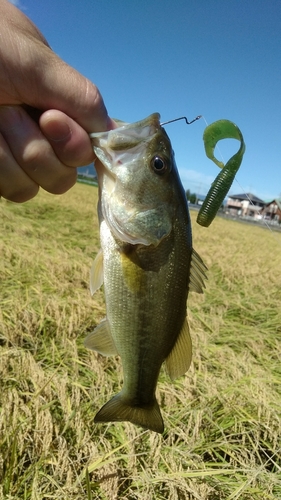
x,y
146,267
47,110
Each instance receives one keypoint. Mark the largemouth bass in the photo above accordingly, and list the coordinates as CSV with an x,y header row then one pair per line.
x,y
147,264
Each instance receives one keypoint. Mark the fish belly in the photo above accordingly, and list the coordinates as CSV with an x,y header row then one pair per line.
x,y
145,292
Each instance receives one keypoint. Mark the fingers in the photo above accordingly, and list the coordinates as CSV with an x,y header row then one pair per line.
x,y
27,159
15,185
73,94
69,141
36,154
31,73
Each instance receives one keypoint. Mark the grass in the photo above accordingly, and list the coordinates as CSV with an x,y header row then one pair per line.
x,y
223,419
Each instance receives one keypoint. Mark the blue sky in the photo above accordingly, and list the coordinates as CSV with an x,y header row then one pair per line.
x,y
218,58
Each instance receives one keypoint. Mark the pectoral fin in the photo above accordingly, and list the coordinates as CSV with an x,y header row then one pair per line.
x,y
179,359
197,273
96,273
101,340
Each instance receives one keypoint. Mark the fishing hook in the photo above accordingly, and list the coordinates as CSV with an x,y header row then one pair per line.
x,y
182,118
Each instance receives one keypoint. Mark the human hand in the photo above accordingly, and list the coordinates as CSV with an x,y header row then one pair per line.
x,y
39,148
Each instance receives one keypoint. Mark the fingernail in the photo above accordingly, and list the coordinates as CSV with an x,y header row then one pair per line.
x,y
57,131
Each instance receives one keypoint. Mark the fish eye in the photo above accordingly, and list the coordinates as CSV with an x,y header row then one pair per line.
x,y
158,164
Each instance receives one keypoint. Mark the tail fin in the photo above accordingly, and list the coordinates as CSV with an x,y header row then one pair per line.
x,y
119,409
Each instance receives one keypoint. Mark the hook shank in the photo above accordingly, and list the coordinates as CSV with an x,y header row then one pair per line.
x,y
182,118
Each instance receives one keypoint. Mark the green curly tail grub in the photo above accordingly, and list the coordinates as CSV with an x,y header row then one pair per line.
x,y
221,129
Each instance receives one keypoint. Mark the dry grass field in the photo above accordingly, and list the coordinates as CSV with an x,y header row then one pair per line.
x,y
222,435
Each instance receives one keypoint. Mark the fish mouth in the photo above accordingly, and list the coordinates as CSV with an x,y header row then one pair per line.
x,y
137,127
121,155
114,147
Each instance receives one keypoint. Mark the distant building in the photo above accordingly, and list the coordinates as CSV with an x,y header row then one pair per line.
x,y
272,210
200,199
245,205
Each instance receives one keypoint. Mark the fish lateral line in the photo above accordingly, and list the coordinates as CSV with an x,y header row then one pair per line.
x,y
137,269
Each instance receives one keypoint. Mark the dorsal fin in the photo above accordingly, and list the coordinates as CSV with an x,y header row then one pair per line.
x,y
197,273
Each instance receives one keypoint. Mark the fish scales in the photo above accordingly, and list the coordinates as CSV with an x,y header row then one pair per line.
x,y
146,263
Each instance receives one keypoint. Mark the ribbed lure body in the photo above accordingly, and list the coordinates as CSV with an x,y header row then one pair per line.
x,y
221,129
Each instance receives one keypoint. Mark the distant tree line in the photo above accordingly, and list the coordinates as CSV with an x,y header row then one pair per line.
x,y
191,197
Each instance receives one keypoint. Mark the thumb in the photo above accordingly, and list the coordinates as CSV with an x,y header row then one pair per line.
x,y
31,73
66,90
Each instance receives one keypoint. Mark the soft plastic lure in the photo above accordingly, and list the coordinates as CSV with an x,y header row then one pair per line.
x,y
221,129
